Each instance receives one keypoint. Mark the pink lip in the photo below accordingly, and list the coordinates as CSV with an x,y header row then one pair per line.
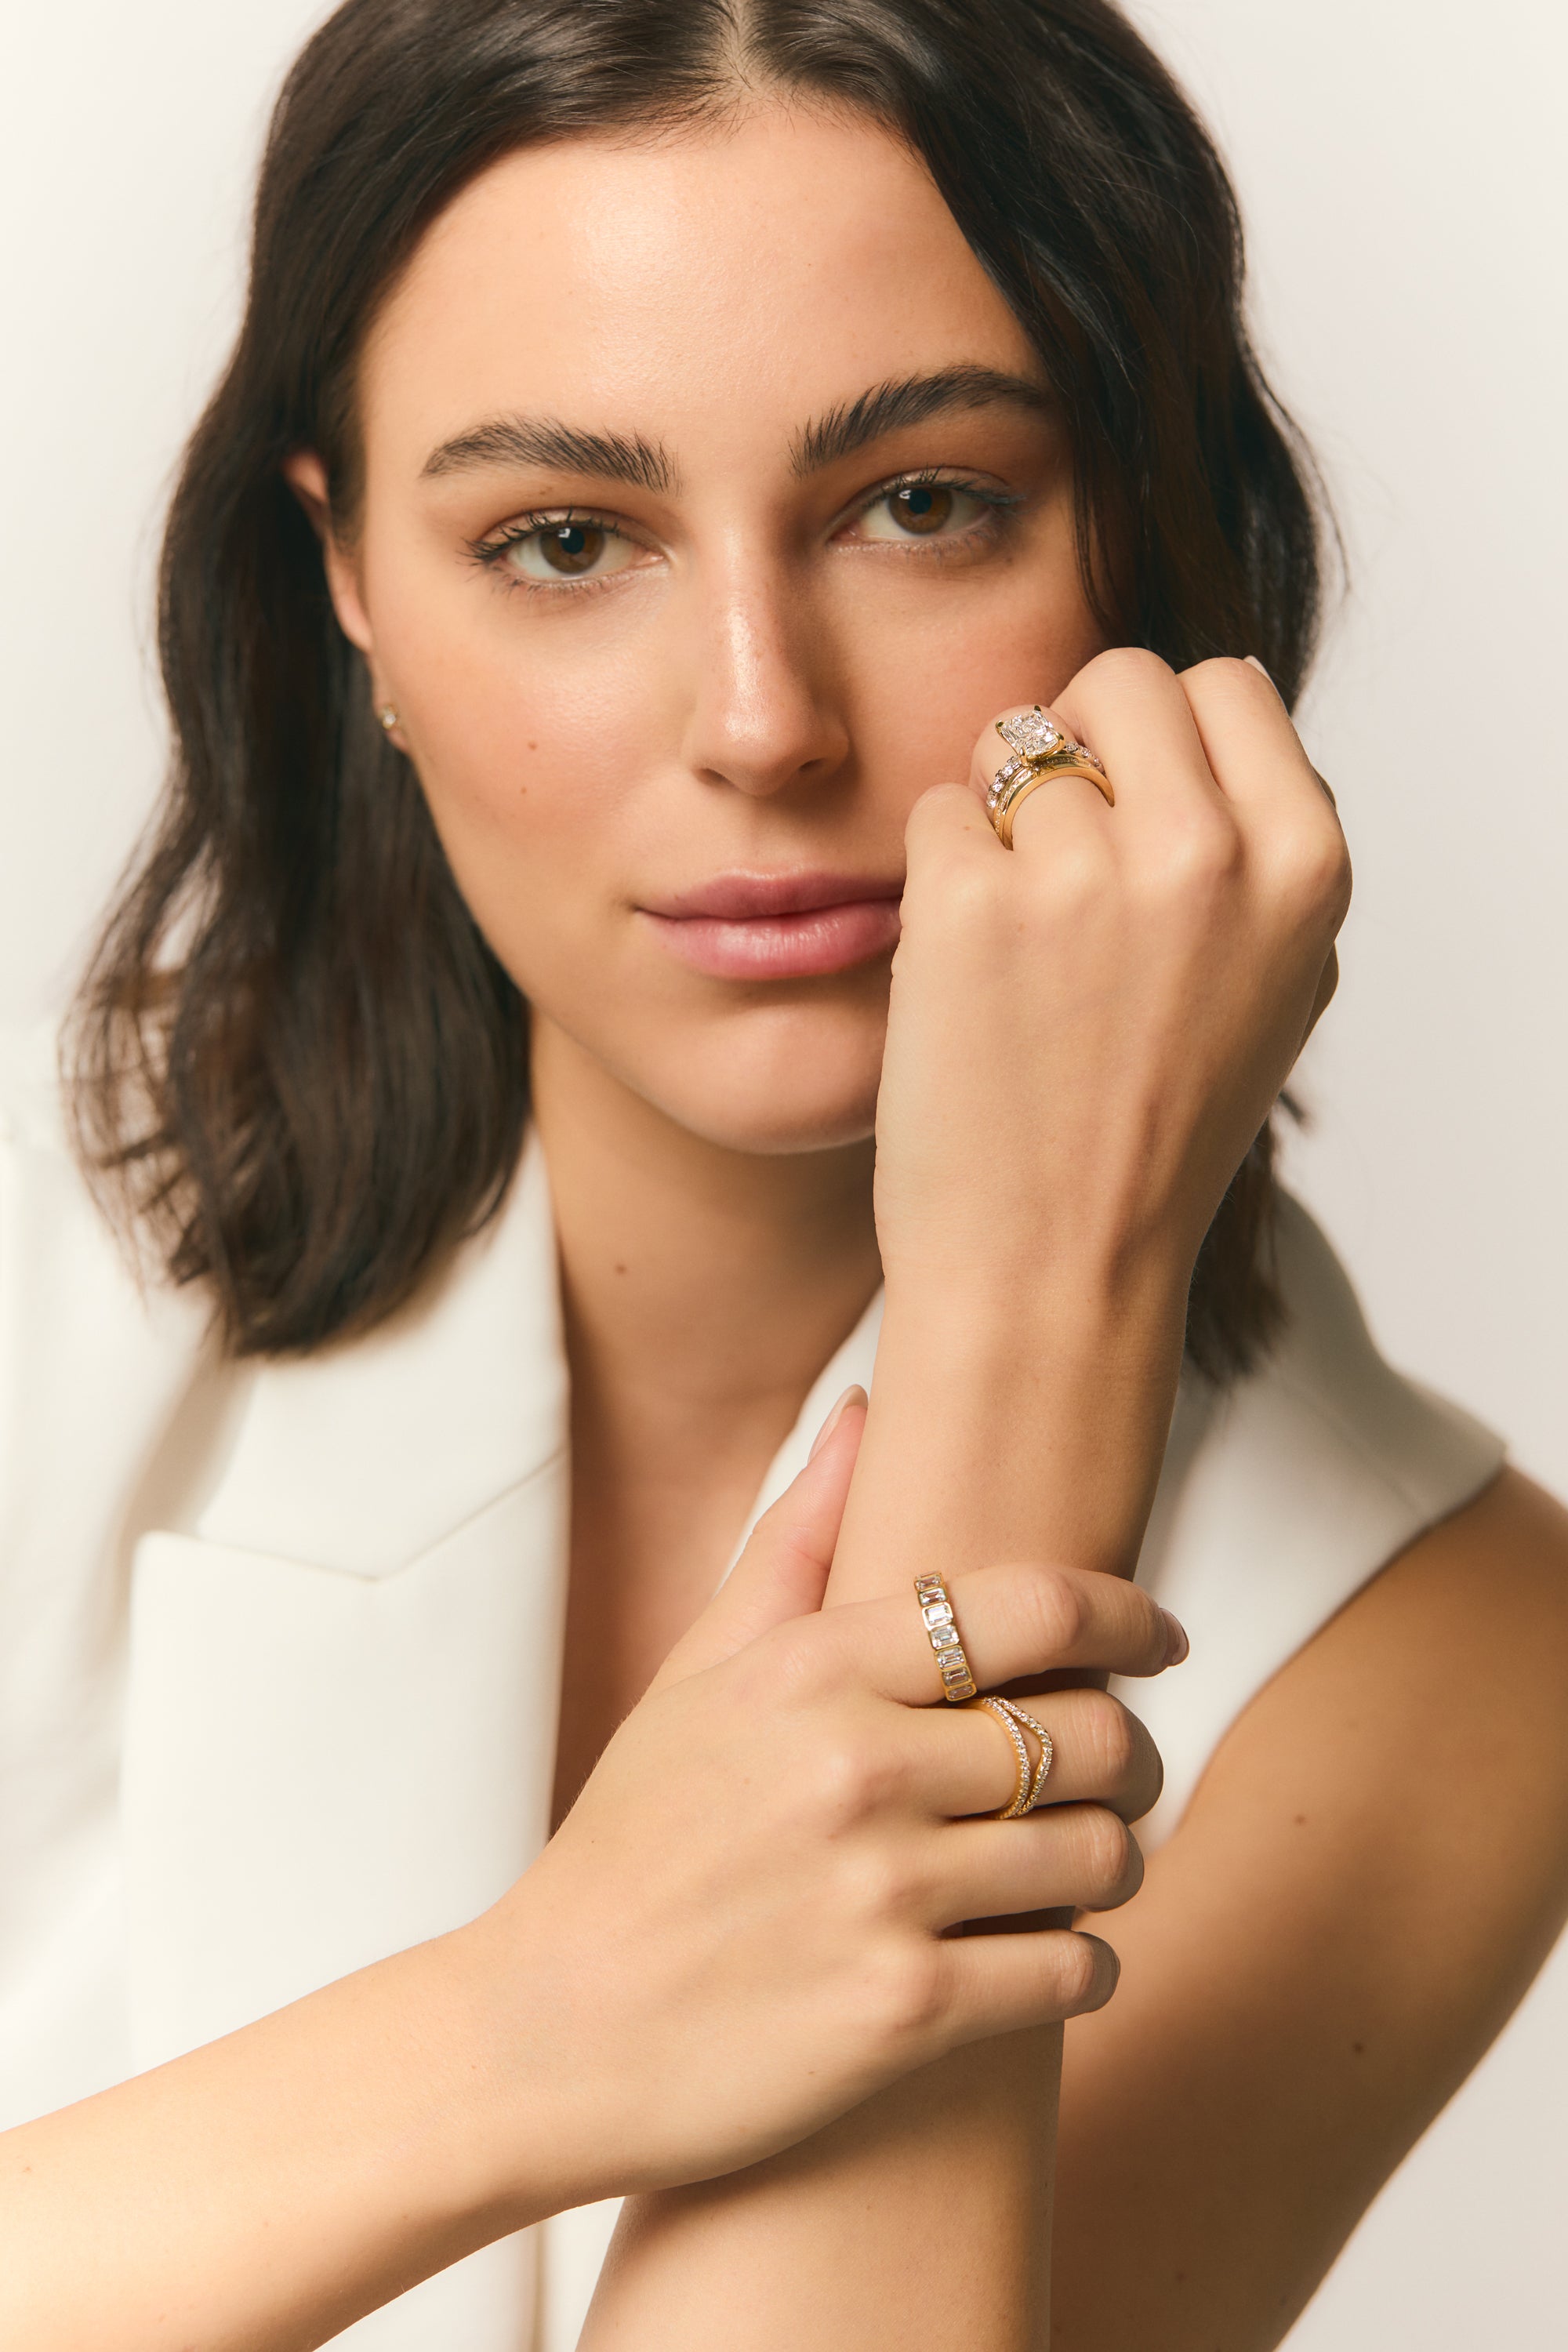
x,y
779,926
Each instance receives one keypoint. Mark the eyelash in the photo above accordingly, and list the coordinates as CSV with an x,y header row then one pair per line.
x,y
489,552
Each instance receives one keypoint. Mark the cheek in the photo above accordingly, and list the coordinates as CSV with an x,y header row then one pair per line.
x,y
929,673
520,737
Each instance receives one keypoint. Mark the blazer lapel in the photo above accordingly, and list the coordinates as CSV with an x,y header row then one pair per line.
x,y
342,1700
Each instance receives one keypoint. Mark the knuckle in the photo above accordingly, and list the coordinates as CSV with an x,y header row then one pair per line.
x,y
907,1985
1122,666
1314,864
1198,853
1056,1612
1225,677
1108,1848
1079,1973
845,1781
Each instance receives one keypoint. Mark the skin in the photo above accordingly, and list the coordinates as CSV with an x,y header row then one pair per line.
x,y
1090,1027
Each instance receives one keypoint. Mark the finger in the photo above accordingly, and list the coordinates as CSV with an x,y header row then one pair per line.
x,y
960,1759
783,1571
1129,707
1255,754
1285,811
1076,1857
1014,1624
1004,1984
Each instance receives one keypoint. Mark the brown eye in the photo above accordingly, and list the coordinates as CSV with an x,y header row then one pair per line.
x,y
569,549
922,510
571,546
922,507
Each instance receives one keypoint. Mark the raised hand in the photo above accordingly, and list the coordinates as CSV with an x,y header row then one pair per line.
x,y
1088,1031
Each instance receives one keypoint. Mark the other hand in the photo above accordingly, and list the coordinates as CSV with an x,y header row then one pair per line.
x,y
741,1929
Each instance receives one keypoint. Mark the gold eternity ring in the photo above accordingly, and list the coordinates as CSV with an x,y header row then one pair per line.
x,y
1041,753
936,1611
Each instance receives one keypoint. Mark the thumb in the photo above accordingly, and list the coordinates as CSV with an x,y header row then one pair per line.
x,y
783,1573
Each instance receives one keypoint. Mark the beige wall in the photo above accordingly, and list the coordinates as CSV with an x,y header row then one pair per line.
x,y
1404,177
1401,163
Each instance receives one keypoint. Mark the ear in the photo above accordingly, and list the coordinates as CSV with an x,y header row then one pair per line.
x,y
307,477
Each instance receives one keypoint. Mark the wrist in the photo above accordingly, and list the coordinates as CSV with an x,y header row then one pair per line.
x,y
1084,1309
1015,1421
502,2158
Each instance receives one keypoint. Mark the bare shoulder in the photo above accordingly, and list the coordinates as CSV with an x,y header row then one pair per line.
x,y
1418,1744
1370,1872
1463,1639
1512,1540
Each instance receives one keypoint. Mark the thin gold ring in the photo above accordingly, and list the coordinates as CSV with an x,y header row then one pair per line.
x,y
936,1611
1018,1802
1047,1756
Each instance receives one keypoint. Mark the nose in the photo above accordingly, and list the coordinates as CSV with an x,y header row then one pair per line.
x,y
765,714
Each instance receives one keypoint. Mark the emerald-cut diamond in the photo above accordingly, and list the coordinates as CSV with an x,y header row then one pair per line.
x,y
1031,734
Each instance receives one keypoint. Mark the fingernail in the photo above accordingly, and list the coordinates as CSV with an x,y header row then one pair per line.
x,y
1252,663
853,1395
1176,1641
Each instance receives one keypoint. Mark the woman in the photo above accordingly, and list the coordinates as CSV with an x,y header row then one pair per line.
x,y
666,442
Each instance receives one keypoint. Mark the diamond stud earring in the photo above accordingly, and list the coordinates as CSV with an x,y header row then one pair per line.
x,y
387,716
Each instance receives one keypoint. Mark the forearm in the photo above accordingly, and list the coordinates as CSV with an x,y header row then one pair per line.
x,y
923,2217
1029,1429
264,2191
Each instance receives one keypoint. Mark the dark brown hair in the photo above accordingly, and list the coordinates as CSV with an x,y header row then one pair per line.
x,y
296,1064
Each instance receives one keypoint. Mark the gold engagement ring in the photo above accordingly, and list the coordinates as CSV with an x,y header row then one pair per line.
x,y
1041,752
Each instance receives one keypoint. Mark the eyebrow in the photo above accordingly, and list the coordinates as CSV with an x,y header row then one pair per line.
x,y
884,408
565,448
911,400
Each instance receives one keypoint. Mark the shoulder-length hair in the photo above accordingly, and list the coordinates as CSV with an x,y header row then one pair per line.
x,y
295,1064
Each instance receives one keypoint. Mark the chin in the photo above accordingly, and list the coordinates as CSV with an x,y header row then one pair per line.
x,y
807,1107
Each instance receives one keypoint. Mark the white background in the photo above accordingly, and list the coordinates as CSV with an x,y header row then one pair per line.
x,y
1401,163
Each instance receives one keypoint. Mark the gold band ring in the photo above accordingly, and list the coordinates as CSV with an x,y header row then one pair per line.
x,y
936,1611
1032,1777
1041,752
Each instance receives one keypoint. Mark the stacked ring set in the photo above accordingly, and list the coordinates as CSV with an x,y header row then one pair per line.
x,y
959,1689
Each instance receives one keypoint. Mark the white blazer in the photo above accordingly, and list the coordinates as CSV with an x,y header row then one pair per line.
x,y
279,1644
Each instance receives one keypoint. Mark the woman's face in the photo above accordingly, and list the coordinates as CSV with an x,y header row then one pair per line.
x,y
712,505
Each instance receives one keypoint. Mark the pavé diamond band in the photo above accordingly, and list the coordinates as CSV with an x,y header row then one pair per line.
x,y
1041,752
936,1610
1018,1802
1032,1778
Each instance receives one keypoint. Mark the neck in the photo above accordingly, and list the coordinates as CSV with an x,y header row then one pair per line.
x,y
720,1281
